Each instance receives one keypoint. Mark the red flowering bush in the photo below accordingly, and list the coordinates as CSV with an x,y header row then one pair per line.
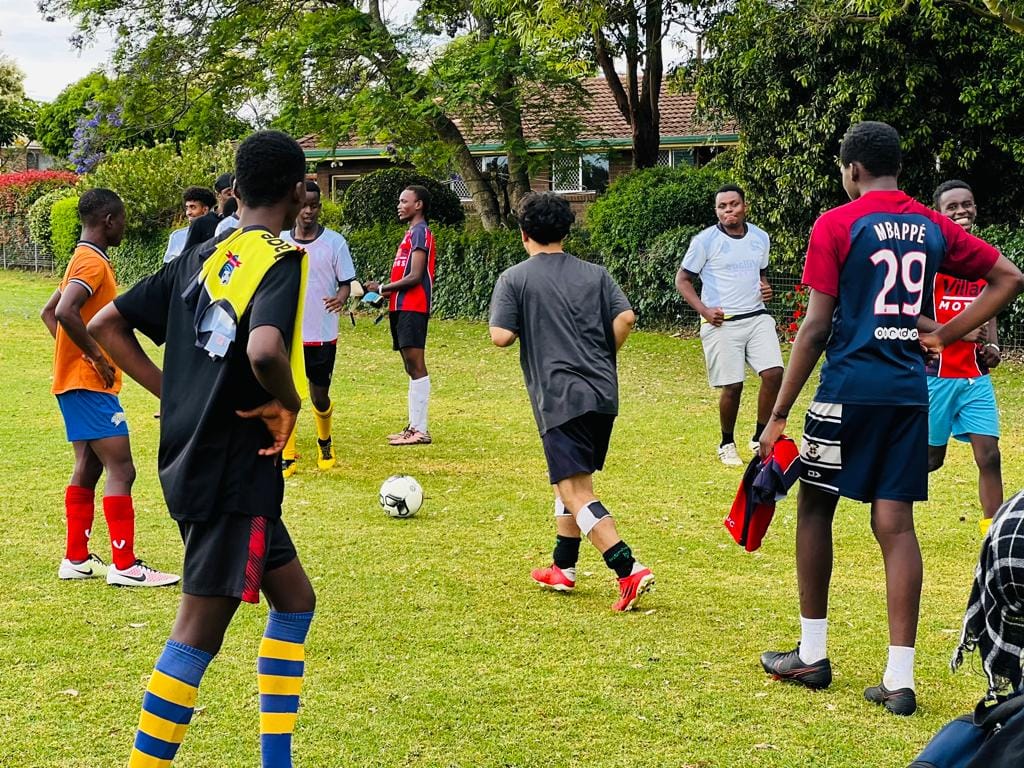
x,y
19,190
795,304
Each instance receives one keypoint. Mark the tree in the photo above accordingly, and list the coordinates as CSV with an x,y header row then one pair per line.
x,y
1008,12
330,66
796,75
16,111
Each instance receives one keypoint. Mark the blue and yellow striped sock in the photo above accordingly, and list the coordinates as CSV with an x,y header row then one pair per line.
x,y
280,666
168,704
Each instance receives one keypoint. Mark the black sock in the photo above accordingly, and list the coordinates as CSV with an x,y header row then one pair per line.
x,y
758,429
619,557
567,552
727,437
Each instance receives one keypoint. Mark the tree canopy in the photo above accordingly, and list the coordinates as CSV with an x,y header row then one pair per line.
x,y
796,75
16,111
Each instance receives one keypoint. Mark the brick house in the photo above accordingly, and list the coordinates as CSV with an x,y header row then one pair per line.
x,y
604,150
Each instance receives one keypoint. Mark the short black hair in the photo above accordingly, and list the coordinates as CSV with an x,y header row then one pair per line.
x,y
732,188
422,194
96,204
545,217
200,195
874,145
224,181
312,186
268,164
946,186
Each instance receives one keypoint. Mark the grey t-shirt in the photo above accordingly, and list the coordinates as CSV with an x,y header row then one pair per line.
x,y
562,308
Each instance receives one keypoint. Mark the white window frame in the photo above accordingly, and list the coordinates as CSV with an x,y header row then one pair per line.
x,y
336,177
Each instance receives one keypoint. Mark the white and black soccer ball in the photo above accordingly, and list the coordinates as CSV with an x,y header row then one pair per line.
x,y
401,496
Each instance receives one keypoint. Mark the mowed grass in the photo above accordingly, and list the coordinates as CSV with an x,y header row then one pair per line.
x,y
431,647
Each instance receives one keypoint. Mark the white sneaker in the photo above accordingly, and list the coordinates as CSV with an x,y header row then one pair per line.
x,y
89,568
140,575
755,445
727,455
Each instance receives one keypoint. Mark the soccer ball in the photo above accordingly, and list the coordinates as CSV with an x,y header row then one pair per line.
x,y
401,496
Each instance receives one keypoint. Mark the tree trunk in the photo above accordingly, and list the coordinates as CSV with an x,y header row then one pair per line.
x,y
480,190
647,128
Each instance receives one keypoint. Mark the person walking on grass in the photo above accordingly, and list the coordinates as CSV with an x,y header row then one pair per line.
x,y
229,317
961,399
731,259
571,319
330,277
869,266
86,385
410,291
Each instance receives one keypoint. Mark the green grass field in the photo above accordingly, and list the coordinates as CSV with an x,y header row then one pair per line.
x,y
431,646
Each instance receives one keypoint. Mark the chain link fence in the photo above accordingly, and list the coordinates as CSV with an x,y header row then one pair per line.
x,y
24,255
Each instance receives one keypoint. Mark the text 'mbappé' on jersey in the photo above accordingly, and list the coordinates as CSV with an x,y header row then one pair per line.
x,y
878,256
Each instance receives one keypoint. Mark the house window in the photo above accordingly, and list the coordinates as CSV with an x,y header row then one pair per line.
x,y
681,157
664,158
493,167
341,182
579,173
32,160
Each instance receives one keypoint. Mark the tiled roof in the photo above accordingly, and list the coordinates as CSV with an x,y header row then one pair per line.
x,y
601,120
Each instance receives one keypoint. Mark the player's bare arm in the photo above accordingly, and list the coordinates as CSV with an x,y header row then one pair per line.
x,y
68,313
807,350
112,330
502,337
622,326
766,288
271,365
990,353
48,314
1003,283
684,284
336,302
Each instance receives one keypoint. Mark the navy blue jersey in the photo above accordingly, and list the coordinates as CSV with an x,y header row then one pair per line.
x,y
878,256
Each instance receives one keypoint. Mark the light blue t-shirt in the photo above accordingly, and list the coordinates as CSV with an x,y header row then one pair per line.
x,y
175,244
729,268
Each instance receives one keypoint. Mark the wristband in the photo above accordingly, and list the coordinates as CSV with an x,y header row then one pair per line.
x,y
994,346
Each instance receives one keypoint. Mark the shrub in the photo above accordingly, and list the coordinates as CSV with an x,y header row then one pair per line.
x,y
64,231
1009,240
642,205
39,219
330,214
150,180
648,278
139,256
372,199
19,190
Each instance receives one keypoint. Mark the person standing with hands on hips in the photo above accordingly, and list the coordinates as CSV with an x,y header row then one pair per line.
x,y
409,293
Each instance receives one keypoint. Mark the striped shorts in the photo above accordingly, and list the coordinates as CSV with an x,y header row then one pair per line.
x,y
866,452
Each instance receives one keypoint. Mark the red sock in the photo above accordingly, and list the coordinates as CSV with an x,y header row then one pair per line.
x,y
120,516
78,509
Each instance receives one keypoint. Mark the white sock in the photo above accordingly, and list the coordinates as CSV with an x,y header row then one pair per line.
x,y
419,400
813,637
899,672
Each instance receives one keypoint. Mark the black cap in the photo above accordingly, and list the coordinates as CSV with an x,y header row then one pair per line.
x,y
224,181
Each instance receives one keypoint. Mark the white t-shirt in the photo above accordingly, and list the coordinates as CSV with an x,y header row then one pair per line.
x,y
231,222
175,244
330,265
729,268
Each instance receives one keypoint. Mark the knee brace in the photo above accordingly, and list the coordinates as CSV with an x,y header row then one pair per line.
x,y
591,514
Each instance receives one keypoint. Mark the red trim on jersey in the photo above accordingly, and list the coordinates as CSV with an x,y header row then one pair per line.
x,y
418,298
952,295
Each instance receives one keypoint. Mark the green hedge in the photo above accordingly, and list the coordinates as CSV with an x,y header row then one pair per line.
x,y
372,199
64,231
39,219
649,279
139,256
1009,240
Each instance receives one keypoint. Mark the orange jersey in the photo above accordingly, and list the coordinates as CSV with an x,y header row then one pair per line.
x,y
90,268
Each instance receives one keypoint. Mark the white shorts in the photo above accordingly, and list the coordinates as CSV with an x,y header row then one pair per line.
x,y
753,341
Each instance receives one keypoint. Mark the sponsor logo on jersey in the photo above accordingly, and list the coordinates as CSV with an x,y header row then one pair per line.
x,y
888,333
228,268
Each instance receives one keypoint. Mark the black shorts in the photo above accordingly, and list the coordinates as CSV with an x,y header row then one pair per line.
x,y
578,446
227,556
866,452
320,362
408,329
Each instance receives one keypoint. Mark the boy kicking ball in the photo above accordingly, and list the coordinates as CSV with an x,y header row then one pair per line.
x,y
571,319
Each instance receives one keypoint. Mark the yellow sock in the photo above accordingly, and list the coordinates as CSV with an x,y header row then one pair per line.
x,y
323,422
289,448
984,523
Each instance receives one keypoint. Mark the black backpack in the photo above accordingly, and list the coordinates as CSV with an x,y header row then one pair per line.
x,y
993,737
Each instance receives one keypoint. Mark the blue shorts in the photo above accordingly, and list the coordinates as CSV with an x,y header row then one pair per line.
x,y
961,407
92,415
866,452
